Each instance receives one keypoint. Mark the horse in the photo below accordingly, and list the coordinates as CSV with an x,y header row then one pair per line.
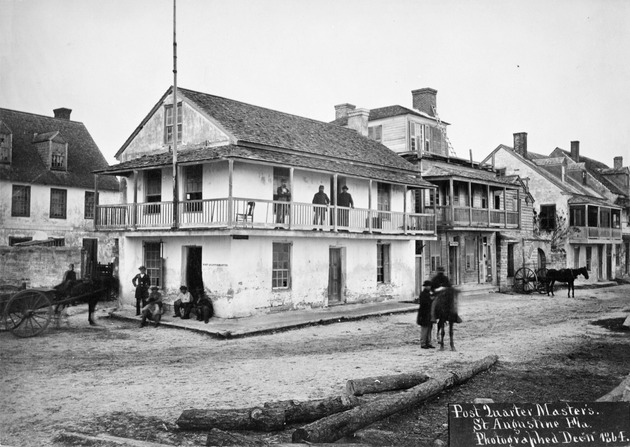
x,y
446,312
86,291
565,275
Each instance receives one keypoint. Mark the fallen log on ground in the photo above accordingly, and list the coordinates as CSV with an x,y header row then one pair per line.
x,y
257,419
337,426
379,384
312,410
220,438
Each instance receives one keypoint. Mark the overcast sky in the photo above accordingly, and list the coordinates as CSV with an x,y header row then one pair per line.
x,y
558,70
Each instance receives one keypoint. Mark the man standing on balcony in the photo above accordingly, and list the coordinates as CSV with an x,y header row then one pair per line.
x,y
320,198
283,194
344,199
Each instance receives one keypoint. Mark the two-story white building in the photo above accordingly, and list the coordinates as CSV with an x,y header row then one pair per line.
x,y
219,221
47,188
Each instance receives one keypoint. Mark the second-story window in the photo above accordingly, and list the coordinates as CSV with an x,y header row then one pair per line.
x,y
21,201
168,123
88,212
577,216
58,203
154,190
418,140
193,188
57,161
376,133
547,217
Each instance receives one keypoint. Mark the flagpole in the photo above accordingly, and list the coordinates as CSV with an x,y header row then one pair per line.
x,y
175,124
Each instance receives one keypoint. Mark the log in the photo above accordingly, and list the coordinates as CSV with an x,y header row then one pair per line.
x,y
256,419
379,384
337,426
312,410
220,438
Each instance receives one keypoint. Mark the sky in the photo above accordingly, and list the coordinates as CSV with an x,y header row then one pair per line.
x,y
556,69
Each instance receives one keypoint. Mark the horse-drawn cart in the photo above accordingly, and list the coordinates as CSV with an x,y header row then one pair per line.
x,y
527,280
28,312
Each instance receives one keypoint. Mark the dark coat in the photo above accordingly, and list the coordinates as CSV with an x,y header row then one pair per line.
x,y
440,280
345,199
321,198
424,311
142,284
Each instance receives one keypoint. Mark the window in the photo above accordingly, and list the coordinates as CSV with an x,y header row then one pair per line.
x,y
471,253
593,216
154,190
547,217
604,218
153,262
383,196
434,255
58,203
382,263
281,266
168,123
193,188
21,201
376,133
5,147
589,253
418,137
577,216
88,212
57,161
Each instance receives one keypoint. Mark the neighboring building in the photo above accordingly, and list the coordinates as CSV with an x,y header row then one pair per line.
x,y
251,248
47,188
479,211
573,210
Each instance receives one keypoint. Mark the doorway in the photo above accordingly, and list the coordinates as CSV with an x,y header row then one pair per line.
x,y
335,276
193,275
600,262
453,256
609,274
90,261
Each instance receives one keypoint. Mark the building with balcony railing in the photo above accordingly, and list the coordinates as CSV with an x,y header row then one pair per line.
x,y
577,222
239,217
478,211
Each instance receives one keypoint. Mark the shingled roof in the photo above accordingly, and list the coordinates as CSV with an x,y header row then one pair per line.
x,y
26,166
387,112
291,140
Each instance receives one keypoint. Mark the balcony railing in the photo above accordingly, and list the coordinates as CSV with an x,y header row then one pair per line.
x,y
581,234
260,214
465,216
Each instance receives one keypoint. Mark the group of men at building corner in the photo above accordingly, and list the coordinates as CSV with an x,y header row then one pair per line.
x,y
344,200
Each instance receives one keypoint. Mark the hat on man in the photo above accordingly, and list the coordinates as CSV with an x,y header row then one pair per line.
x,y
344,187
440,269
426,284
142,267
182,287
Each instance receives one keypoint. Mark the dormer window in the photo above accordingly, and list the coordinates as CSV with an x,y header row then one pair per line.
x,y
6,139
376,133
168,123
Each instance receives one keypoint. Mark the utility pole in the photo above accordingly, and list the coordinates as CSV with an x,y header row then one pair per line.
x,y
175,124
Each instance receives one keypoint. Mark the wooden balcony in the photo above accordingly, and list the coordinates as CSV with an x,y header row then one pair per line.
x,y
581,234
260,214
465,216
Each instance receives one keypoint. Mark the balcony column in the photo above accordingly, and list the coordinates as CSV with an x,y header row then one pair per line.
x,y
334,195
291,209
230,195
96,177
450,193
405,210
488,204
370,206
504,210
134,208
470,203
518,206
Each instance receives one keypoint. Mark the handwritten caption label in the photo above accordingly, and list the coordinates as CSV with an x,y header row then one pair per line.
x,y
591,424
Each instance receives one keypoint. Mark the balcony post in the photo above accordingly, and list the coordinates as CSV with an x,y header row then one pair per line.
x,y
334,193
405,210
134,222
470,203
488,202
291,208
504,210
370,206
95,206
518,206
452,198
230,195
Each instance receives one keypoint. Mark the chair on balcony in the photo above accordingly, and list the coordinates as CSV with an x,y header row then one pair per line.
x,y
248,215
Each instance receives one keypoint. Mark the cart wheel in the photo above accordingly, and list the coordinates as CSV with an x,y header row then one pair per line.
x,y
525,280
542,280
28,313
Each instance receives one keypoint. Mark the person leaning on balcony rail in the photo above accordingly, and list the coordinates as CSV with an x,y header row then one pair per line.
x,y
141,282
320,198
344,199
283,194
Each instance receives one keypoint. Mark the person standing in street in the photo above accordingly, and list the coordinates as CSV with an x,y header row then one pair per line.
x,y
424,316
320,198
141,282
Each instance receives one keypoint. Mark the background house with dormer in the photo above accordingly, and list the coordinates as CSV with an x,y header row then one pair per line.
x,y
479,212
580,223
225,228
47,188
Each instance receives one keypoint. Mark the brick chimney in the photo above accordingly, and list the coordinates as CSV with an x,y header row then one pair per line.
x,y
618,162
520,143
342,110
358,120
425,100
575,151
63,113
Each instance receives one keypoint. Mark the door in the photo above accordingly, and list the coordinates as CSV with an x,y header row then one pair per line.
x,y
335,277
453,264
600,262
90,262
194,278
609,274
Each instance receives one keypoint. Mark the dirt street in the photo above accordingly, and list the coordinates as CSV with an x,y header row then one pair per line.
x,y
119,379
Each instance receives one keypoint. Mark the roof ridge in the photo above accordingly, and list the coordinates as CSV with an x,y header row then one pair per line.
x,y
42,116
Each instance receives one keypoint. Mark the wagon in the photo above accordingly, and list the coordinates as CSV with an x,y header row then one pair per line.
x,y
527,280
28,312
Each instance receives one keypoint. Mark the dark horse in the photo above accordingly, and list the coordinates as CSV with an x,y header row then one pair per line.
x,y
565,275
446,312
85,291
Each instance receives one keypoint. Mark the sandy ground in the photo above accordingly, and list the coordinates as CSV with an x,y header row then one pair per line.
x,y
71,376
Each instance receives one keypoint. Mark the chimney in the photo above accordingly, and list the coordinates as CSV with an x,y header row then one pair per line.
x,y
342,110
618,162
63,113
425,100
520,143
575,151
358,120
